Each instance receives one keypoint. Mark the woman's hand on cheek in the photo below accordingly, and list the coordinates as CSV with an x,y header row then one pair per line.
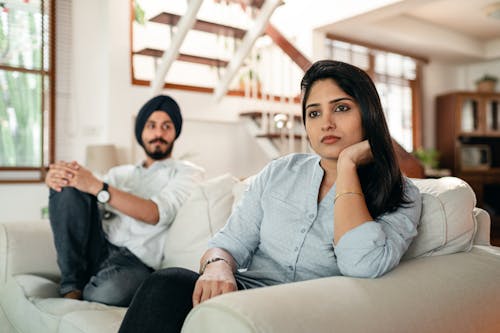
x,y
359,153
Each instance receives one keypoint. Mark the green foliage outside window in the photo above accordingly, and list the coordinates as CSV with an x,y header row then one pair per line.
x,y
22,79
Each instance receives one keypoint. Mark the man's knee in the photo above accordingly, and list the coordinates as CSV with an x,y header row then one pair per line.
x,y
108,293
66,194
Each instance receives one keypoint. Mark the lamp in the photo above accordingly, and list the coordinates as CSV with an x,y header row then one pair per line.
x,y
101,158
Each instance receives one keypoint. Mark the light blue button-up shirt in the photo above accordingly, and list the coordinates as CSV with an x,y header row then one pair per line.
x,y
279,232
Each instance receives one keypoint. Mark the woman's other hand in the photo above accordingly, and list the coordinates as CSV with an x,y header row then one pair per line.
x,y
217,279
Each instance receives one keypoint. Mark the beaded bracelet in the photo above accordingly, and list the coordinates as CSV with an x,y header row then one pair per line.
x,y
338,195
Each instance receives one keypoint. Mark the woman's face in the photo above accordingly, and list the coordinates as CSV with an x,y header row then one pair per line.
x,y
333,119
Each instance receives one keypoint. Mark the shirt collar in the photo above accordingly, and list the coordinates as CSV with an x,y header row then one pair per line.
x,y
156,164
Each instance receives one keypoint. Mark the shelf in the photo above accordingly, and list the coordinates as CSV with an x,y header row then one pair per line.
x,y
479,135
490,171
184,57
210,27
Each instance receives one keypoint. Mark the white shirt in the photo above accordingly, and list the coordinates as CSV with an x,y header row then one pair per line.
x,y
168,183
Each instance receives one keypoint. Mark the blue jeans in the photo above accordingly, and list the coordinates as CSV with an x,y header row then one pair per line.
x,y
88,262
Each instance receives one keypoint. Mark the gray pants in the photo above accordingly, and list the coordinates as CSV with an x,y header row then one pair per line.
x,y
88,262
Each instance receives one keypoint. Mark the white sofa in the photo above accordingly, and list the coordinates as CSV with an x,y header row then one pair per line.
x,y
449,280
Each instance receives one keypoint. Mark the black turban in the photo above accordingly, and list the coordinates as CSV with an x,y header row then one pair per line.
x,y
158,103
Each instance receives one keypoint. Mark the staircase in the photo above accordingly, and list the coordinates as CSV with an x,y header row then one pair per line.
x,y
228,47
207,53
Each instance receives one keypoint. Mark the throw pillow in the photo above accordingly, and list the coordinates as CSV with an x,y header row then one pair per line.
x,y
447,224
201,216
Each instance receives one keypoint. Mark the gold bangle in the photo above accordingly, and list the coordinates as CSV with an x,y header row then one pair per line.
x,y
338,195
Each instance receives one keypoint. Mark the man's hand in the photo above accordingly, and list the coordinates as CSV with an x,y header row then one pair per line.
x,y
60,174
359,153
85,181
63,174
217,279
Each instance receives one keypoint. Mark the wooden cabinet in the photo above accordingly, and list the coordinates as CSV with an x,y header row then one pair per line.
x,y
468,138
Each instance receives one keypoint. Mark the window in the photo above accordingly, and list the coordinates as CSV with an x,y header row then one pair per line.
x,y
397,79
26,88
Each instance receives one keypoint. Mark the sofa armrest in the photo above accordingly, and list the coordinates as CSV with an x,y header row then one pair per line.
x,y
27,247
483,221
450,293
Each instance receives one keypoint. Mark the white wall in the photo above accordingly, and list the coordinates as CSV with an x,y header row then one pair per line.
x,y
22,202
471,72
438,78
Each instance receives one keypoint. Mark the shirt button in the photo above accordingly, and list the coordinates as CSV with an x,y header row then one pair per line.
x,y
303,230
311,216
290,268
296,249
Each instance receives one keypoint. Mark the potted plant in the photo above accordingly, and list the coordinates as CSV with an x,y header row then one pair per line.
x,y
428,157
248,78
486,83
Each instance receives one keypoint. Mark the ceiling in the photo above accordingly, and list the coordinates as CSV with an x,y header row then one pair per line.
x,y
455,31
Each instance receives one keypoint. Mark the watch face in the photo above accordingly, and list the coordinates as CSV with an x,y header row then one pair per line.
x,y
103,196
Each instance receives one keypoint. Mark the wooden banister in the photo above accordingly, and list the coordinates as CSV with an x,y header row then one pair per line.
x,y
287,47
408,163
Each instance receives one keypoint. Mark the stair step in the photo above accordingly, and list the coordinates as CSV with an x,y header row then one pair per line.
x,y
278,136
200,25
184,57
258,115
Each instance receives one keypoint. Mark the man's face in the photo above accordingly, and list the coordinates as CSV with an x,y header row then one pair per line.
x,y
158,135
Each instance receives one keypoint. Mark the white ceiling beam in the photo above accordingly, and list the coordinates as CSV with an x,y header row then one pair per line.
x,y
185,24
246,46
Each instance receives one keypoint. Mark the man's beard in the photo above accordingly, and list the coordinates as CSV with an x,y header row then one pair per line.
x,y
158,154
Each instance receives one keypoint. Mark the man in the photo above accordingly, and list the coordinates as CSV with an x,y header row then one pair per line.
x,y
106,259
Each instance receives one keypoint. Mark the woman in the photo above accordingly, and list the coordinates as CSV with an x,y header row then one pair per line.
x,y
345,210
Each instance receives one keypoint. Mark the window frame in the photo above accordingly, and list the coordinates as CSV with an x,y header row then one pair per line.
x,y
25,174
415,85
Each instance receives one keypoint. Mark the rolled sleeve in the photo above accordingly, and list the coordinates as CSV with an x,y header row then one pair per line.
x,y
241,234
375,247
177,191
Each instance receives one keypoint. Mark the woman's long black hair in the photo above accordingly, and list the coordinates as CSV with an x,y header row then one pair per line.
x,y
381,180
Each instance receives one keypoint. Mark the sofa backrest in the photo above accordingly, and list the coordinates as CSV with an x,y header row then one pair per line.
x,y
447,224
201,216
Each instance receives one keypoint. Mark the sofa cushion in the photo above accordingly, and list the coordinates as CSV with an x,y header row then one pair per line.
x,y
203,214
93,321
35,297
447,224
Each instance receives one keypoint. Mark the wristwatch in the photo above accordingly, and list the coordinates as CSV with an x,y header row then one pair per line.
x,y
103,195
